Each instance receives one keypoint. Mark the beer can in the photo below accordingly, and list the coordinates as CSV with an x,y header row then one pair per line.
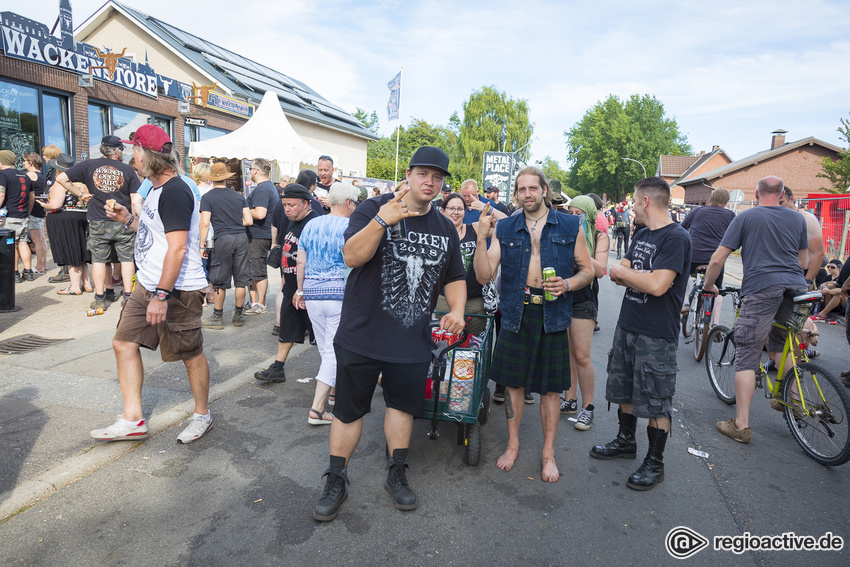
x,y
93,312
398,231
548,273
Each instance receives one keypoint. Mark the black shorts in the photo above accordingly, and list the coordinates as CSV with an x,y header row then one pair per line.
x,y
258,249
293,323
718,282
403,385
230,261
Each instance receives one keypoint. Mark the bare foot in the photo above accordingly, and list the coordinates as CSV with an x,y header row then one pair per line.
x,y
507,460
550,470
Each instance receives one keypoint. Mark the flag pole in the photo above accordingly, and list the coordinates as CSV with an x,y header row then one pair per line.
x,y
398,126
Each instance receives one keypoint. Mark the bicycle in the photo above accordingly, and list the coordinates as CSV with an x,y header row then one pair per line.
x,y
815,404
698,316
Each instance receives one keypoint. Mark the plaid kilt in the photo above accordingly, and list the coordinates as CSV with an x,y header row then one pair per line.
x,y
532,359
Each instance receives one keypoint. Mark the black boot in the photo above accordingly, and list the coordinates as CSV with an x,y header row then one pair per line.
x,y
624,445
396,484
651,472
335,491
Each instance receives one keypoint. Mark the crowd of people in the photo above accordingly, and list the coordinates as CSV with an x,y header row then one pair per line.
x,y
178,243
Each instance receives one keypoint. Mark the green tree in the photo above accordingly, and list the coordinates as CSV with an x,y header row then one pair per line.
x,y
480,130
838,171
370,121
611,130
381,154
552,170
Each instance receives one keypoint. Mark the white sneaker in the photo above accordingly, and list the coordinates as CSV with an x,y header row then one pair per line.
x,y
584,420
121,430
198,426
256,309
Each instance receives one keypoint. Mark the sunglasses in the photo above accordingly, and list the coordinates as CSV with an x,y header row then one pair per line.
x,y
832,266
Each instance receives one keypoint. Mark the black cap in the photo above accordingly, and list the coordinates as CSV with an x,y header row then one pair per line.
x,y
62,163
491,190
429,156
112,142
296,191
446,188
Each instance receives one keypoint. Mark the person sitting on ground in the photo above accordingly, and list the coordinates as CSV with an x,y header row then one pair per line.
x,y
833,299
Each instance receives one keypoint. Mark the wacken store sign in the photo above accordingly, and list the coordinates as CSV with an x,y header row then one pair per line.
x,y
26,39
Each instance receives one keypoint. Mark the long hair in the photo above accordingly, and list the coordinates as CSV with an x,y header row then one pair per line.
x,y
307,178
154,163
532,170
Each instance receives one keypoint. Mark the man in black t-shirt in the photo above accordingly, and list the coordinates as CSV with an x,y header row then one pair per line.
x,y
325,169
642,364
396,278
228,213
17,197
105,178
294,323
261,201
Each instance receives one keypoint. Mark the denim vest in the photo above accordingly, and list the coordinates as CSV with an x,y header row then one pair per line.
x,y
557,245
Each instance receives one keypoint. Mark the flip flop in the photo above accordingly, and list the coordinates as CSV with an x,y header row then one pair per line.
x,y
331,399
321,419
67,291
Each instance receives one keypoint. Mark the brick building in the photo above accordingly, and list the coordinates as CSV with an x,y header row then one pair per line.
x,y
675,169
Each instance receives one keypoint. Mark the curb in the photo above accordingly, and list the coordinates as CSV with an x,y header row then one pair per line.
x,y
30,492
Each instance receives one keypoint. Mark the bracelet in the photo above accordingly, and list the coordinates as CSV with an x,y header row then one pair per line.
x,y
381,222
299,293
568,286
129,222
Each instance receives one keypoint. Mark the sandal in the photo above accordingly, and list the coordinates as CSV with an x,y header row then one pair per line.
x,y
331,399
67,291
320,420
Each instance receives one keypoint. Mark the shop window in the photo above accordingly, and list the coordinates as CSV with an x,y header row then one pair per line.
x,y
98,127
56,129
19,119
121,122
198,134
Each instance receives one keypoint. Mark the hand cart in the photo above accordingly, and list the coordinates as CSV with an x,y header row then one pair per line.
x,y
457,387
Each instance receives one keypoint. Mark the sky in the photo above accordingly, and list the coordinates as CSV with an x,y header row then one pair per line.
x,y
729,72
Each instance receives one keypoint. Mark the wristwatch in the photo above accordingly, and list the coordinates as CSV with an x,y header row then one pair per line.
x,y
162,295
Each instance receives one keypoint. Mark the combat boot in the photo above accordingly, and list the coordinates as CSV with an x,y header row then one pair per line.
x,y
396,483
651,472
624,446
238,320
335,492
214,322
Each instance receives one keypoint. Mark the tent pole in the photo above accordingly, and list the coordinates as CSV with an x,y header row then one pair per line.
x,y
398,126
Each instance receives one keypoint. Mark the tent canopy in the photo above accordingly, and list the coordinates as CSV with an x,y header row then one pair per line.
x,y
267,134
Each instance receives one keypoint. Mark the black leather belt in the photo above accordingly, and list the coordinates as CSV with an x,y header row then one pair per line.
x,y
533,298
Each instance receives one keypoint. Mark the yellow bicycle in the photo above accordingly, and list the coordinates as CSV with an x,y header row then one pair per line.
x,y
815,404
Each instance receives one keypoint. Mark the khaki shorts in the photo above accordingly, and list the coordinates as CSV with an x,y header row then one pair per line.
x,y
109,240
179,338
20,226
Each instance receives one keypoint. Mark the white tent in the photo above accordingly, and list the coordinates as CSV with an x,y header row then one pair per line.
x,y
268,135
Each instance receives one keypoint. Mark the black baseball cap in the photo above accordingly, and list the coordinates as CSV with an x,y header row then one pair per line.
x,y
446,188
112,142
491,190
296,191
429,156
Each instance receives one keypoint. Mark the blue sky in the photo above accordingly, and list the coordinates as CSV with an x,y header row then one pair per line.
x,y
730,72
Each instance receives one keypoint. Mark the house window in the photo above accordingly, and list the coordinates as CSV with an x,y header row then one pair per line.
x,y
32,117
198,134
122,122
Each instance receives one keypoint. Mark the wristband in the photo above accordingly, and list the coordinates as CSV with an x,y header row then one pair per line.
x,y
299,293
381,222
129,222
568,286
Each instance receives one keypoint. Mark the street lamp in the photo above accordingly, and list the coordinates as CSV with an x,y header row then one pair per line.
x,y
637,162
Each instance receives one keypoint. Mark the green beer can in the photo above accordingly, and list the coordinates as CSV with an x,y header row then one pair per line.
x,y
548,273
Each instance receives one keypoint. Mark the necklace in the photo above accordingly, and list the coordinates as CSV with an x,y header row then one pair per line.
x,y
537,220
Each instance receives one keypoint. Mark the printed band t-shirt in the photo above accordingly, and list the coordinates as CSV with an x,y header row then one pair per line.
x,y
389,300
264,195
289,254
106,179
666,248
324,273
169,208
18,187
225,207
770,239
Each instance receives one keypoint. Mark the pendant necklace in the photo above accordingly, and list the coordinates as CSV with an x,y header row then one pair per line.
x,y
533,228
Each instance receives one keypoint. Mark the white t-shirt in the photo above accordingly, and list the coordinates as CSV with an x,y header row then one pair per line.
x,y
168,208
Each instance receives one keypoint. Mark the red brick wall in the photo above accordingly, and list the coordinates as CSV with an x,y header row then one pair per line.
x,y
55,78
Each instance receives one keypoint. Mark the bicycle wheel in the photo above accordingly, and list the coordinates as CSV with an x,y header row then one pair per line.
x,y
701,328
720,362
817,413
688,320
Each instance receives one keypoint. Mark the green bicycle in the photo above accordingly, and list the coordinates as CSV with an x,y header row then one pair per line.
x,y
815,404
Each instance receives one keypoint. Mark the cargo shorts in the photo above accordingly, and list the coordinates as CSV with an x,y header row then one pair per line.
x,y
642,372
19,226
108,240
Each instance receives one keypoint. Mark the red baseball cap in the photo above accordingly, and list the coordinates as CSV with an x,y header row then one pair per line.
x,y
151,138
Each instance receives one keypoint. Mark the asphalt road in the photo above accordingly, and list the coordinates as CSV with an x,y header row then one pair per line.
x,y
244,494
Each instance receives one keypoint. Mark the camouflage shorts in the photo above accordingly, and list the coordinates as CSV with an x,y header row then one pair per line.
x,y
642,372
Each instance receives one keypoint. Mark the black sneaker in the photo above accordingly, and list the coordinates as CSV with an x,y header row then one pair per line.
x,y
18,278
110,297
60,277
333,496
529,399
271,374
28,275
276,330
771,366
396,484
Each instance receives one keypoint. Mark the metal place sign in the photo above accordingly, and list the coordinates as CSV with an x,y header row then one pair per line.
x,y
189,121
